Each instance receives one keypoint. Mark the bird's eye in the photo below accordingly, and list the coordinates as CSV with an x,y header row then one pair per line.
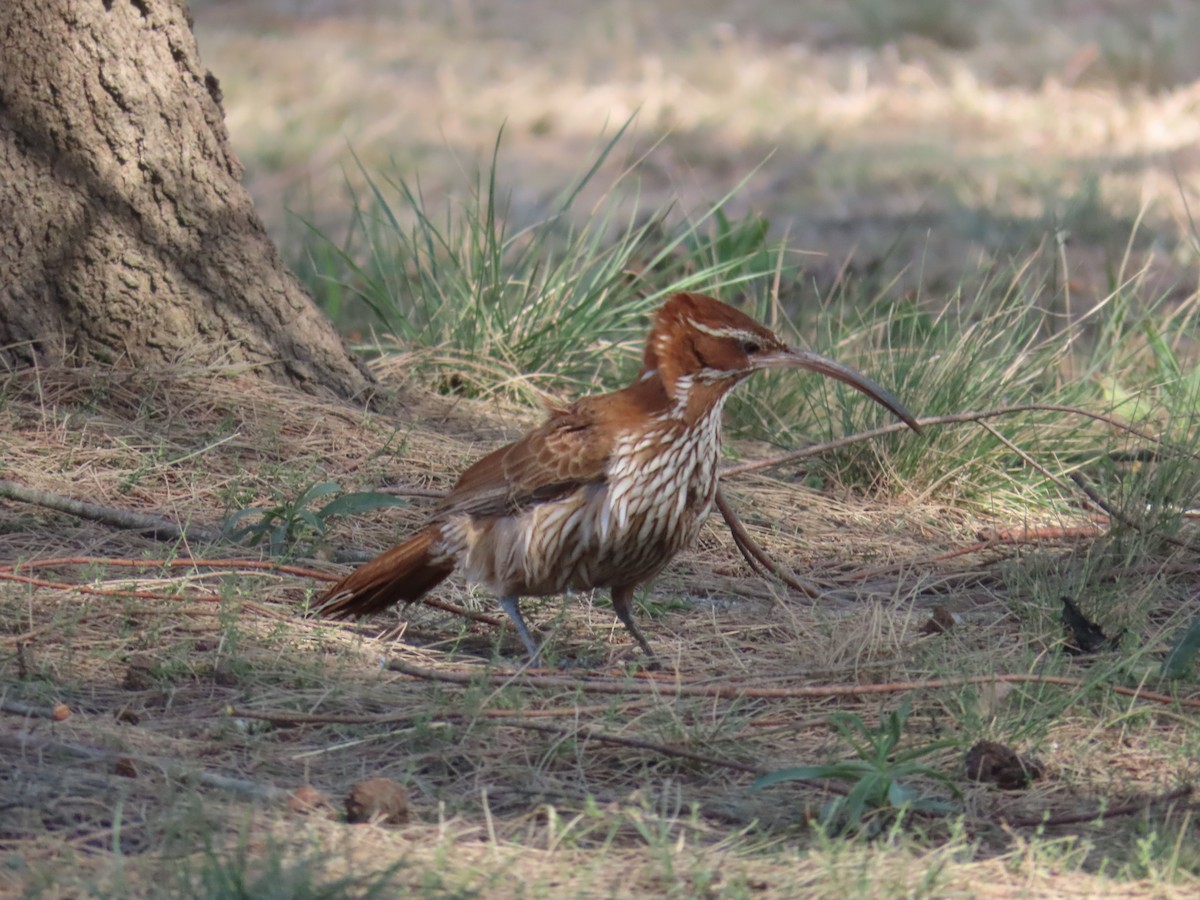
x,y
750,347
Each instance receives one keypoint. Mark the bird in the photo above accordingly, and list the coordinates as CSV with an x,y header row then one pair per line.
x,y
607,490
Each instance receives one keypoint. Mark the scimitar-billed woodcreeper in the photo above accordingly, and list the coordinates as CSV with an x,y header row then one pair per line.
x,y
605,492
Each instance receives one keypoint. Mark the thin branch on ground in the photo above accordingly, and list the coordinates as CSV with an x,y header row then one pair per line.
x,y
1025,534
57,712
951,419
732,691
1151,569
287,717
1115,513
652,746
7,573
1129,809
506,719
1032,534
16,640
103,592
179,562
401,490
155,526
25,742
757,558
1025,457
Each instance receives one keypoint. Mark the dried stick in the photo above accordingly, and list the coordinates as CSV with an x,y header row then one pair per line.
x,y
1025,457
640,744
731,691
136,595
286,717
101,592
16,708
24,741
190,562
1025,534
952,419
157,526
7,573
1115,513
505,718
755,555
1128,809
152,526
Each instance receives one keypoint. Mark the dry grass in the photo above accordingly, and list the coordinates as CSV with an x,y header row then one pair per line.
x,y
498,810
899,136
905,139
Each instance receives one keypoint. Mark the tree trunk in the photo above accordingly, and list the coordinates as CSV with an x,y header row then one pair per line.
x,y
126,236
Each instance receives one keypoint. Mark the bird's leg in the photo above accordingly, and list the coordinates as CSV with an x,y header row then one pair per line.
x,y
509,605
622,601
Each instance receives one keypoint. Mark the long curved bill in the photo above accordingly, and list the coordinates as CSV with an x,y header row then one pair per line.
x,y
823,365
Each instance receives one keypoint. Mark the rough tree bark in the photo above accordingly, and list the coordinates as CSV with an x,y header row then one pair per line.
x,y
125,234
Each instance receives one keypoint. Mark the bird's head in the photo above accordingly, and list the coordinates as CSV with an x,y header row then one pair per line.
x,y
708,345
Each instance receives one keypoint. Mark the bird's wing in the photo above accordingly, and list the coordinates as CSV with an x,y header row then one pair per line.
x,y
569,450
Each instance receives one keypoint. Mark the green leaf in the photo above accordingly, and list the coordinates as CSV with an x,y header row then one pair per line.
x,y
1168,365
1182,657
233,518
308,518
900,794
798,773
869,792
317,491
357,502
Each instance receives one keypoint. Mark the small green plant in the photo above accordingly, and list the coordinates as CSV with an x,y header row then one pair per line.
x,y
1182,658
744,244
550,305
291,519
880,776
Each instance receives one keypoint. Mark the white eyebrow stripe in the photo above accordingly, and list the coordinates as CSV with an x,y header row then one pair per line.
x,y
727,332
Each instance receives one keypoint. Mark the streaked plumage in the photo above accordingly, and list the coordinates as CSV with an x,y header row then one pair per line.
x,y
606,491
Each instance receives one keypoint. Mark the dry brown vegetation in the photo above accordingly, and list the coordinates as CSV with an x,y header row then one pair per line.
x,y
157,722
633,786
923,137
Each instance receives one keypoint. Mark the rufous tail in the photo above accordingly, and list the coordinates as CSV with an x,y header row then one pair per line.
x,y
402,574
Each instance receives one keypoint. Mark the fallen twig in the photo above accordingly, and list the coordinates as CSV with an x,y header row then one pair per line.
x,y
57,712
1025,534
755,555
180,562
136,595
9,573
1115,513
652,746
951,419
506,719
732,691
1128,809
24,741
156,526
286,717
1025,457
85,589
1028,534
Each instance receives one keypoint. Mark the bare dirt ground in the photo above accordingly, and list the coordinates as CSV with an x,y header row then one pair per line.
x,y
160,723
